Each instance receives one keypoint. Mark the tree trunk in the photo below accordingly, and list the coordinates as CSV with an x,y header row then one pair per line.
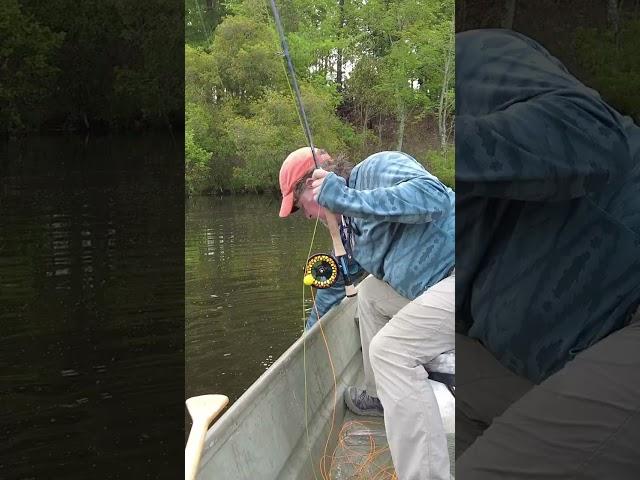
x,y
364,125
509,14
463,15
402,115
339,59
613,16
443,106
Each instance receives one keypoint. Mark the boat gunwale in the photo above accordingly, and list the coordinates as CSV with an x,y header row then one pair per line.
x,y
228,423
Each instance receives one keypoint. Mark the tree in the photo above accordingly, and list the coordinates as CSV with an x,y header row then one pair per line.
x,y
244,51
509,14
612,62
148,79
201,17
446,103
27,70
355,61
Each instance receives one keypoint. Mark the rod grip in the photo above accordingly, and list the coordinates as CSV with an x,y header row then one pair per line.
x,y
334,231
340,253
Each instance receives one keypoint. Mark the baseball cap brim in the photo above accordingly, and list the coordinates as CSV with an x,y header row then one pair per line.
x,y
286,208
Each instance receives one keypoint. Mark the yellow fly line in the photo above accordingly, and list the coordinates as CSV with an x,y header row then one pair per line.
x,y
363,463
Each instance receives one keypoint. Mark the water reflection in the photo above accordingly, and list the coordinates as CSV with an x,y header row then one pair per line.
x,y
243,289
91,307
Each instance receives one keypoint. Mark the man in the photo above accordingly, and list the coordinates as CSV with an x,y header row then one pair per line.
x,y
401,231
548,264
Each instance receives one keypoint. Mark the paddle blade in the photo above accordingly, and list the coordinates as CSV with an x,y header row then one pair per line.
x,y
205,408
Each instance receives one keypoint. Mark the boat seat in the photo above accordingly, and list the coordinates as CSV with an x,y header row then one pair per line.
x,y
443,369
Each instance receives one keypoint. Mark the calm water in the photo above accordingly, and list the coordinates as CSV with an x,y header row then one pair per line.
x,y
91,308
243,289
92,303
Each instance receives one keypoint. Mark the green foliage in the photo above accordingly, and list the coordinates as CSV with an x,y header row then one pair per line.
x,y
442,164
90,65
201,76
196,163
146,80
200,19
614,64
354,62
26,68
273,130
399,68
209,149
247,62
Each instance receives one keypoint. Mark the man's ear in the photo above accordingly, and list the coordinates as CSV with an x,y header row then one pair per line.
x,y
308,182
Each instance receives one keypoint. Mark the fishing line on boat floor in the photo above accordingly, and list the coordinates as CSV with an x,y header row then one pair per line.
x,y
364,464
361,464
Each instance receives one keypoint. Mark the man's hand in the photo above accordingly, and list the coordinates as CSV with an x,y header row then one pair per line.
x,y
318,178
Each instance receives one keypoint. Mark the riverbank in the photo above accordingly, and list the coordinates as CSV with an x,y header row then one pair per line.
x,y
439,163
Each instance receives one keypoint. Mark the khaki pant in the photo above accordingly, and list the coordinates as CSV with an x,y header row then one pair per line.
x,y
581,423
398,337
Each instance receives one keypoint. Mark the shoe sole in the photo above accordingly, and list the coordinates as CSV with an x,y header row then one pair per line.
x,y
358,411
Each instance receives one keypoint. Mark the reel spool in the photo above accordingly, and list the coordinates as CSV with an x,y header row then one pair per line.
x,y
321,271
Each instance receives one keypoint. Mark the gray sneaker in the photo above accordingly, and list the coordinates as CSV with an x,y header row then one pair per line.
x,y
361,403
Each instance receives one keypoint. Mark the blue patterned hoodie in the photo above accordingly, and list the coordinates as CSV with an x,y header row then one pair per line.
x,y
548,205
403,224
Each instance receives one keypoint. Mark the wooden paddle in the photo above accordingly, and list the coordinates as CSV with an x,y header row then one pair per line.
x,y
203,410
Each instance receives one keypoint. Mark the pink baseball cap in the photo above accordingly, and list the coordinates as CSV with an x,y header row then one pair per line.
x,y
297,164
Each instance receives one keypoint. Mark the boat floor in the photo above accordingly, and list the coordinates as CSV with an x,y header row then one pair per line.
x,y
362,452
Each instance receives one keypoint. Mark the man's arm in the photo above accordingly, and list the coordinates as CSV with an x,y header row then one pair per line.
x,y
325,299
419,199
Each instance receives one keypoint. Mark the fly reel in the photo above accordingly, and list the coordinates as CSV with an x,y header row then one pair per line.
x,y
321,271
